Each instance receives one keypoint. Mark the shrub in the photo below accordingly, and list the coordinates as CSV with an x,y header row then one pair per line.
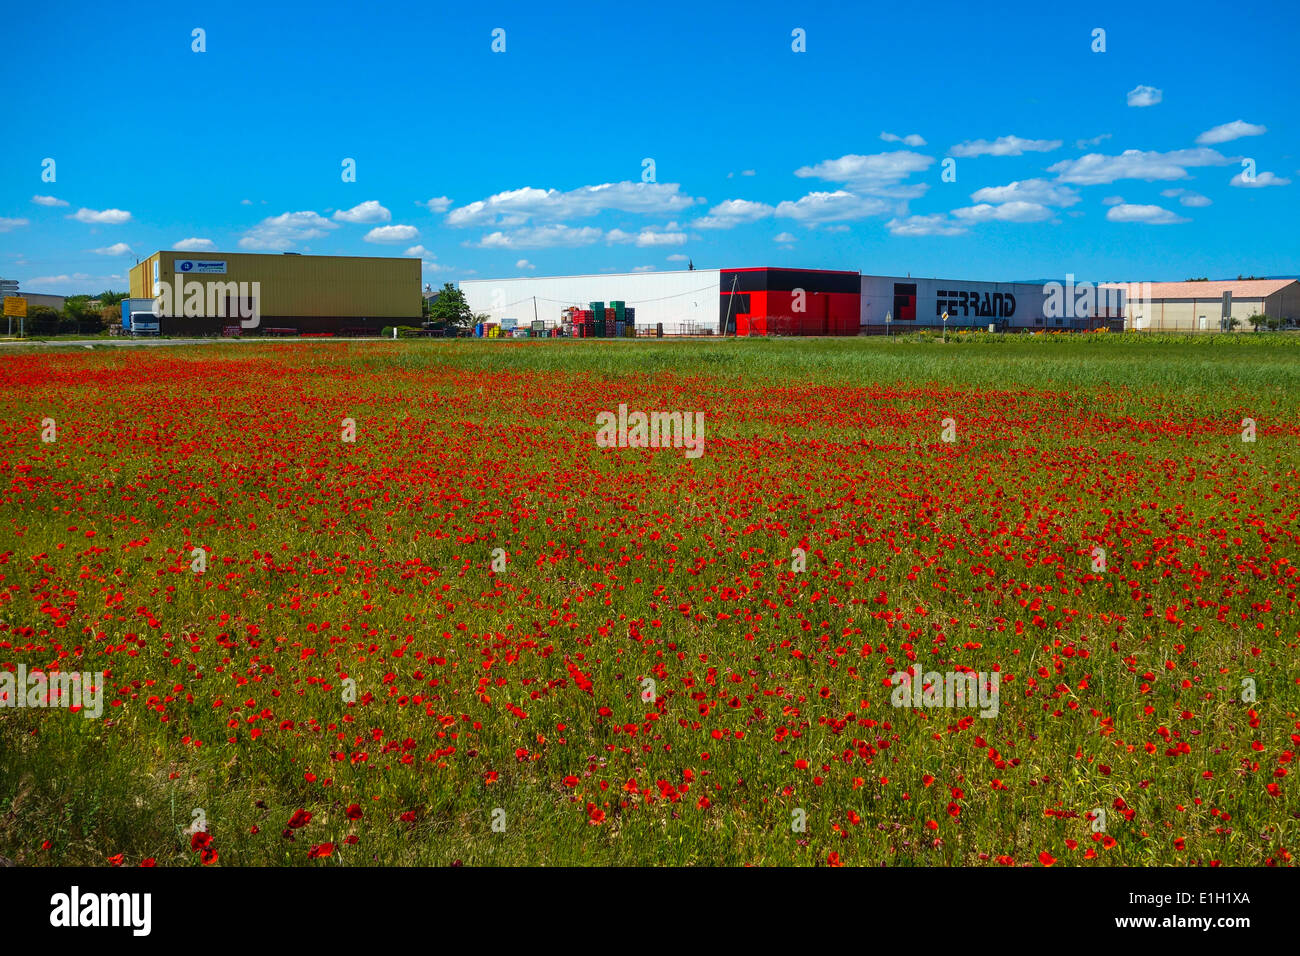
x,y
41,320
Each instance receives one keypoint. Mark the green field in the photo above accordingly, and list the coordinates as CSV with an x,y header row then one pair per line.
x,y
432,644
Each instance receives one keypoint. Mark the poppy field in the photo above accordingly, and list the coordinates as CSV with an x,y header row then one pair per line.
x,y
394,603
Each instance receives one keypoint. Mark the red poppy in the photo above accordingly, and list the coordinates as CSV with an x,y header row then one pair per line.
x,y
299,819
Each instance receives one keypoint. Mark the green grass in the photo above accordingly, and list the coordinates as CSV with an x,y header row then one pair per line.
x,y
373,561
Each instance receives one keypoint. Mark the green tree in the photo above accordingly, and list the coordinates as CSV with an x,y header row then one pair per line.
x,y
41,320
90,322
451,309
75,305
109,297
1257,320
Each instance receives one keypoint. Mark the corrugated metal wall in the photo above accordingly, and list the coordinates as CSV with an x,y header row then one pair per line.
x,y
963,300
682,301
305,286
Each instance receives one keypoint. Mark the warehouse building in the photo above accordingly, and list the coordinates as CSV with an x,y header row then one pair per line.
x,y
682,302
773,301
895,304
287,293
1198,306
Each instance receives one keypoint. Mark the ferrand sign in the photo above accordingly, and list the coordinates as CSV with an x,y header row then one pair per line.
x,y
987,305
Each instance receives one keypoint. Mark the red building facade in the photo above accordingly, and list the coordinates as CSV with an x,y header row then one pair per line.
x,y
766,301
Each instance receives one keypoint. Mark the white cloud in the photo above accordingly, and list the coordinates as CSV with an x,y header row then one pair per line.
x,y
540,237
82,279
107,217
646,237
643,268
876,173
1016,211
836,206
1088,143
6,224
1028,190
1004,146
1112,200
524,264
1230,131
426,259
677,257
437,204
1186,197
933,225
116,249
515,207
732,212
195,245
1095,168
911,139
1150,215
392,234
784,237
48,201
1261,179
366,212
1144,96
281,232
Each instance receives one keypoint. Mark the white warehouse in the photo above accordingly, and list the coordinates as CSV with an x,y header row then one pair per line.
x,y
765,300
686,302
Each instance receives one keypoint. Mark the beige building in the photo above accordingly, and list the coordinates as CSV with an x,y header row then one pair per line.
x,y
292,293
1198,306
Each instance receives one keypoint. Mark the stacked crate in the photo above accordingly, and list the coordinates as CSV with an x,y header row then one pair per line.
x,y
629,321
598,319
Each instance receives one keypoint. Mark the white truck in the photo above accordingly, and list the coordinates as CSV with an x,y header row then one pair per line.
x,y
138,317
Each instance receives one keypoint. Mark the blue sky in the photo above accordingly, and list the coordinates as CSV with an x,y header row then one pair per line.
x,y
1122,164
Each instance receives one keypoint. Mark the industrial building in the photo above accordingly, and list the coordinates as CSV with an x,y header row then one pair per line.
x,y
289,293
1197,306
9,287
773,301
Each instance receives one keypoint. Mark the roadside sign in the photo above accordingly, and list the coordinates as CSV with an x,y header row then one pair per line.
x,y
15,305
1227,306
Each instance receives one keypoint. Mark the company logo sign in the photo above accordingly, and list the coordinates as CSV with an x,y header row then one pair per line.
x,y
208,266
988,305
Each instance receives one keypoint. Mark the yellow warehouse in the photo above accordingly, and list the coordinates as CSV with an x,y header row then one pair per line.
x,y
284,293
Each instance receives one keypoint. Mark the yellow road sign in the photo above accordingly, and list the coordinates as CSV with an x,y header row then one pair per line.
x,y
15,305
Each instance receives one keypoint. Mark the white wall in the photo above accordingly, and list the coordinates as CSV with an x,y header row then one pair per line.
x,y
984,303
1185,315
682,301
